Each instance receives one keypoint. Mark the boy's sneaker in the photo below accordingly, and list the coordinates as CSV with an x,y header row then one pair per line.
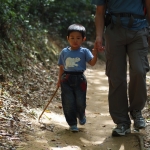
x,y
83,121
121,130
74,128
139,121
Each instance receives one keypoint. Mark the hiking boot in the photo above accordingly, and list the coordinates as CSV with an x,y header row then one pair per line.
x,y
121,130
74,128
139,121
83,121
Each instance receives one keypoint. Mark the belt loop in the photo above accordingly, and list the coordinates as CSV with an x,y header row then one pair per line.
x,y
118,21
111,24
131,21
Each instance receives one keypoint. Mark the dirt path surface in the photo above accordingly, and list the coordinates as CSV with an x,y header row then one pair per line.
x,y
53,133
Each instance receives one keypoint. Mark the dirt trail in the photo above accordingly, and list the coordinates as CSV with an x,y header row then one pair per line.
x,y
53,134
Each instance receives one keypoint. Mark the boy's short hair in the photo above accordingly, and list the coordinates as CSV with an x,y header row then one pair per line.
x,y
78,28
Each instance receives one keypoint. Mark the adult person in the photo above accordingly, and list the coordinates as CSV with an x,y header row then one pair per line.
x,y
126,35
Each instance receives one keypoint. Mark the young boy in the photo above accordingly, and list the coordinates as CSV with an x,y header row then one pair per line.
x,y
72,64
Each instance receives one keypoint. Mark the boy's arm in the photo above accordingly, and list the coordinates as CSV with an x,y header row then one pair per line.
x,y
61,70
93,61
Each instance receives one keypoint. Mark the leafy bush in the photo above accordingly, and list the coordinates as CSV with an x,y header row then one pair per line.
x,y
58,14
26,25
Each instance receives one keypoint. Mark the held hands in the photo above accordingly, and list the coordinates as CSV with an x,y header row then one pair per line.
x,y
94,51
98,44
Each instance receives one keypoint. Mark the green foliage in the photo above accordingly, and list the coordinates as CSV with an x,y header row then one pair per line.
x,y
61,14
26,26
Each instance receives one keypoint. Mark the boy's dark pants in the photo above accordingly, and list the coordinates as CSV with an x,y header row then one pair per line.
x,y
121,42
73,94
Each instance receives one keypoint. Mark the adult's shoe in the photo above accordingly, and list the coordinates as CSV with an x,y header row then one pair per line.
x,y
121,129
139,121
74,128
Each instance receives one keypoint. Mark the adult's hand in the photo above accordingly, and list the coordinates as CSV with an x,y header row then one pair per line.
x,y
98,44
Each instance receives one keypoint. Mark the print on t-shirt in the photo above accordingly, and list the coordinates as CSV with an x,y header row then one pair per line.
x,y
71,62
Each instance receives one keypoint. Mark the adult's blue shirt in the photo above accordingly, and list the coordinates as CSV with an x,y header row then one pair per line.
x,y
125,6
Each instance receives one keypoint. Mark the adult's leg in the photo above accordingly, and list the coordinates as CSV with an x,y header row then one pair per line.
x,y
137,51
116,67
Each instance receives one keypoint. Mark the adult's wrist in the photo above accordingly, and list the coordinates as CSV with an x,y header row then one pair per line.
x,y
99,36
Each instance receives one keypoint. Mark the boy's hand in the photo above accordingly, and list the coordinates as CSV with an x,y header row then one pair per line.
x,y
94,51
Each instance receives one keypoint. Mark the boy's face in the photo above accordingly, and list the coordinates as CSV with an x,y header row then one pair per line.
x,y
75,40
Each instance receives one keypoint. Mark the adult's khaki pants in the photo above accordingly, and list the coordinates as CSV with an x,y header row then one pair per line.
x,y
122,45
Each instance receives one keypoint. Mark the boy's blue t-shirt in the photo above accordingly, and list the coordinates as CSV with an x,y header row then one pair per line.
x,y
126,6
75,60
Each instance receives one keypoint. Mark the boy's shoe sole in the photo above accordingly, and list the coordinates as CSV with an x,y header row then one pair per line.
x,y
121,130
74,128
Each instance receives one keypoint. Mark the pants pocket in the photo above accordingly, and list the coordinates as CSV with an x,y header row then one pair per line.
x,y
83,83
144,59
64,77
108,65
